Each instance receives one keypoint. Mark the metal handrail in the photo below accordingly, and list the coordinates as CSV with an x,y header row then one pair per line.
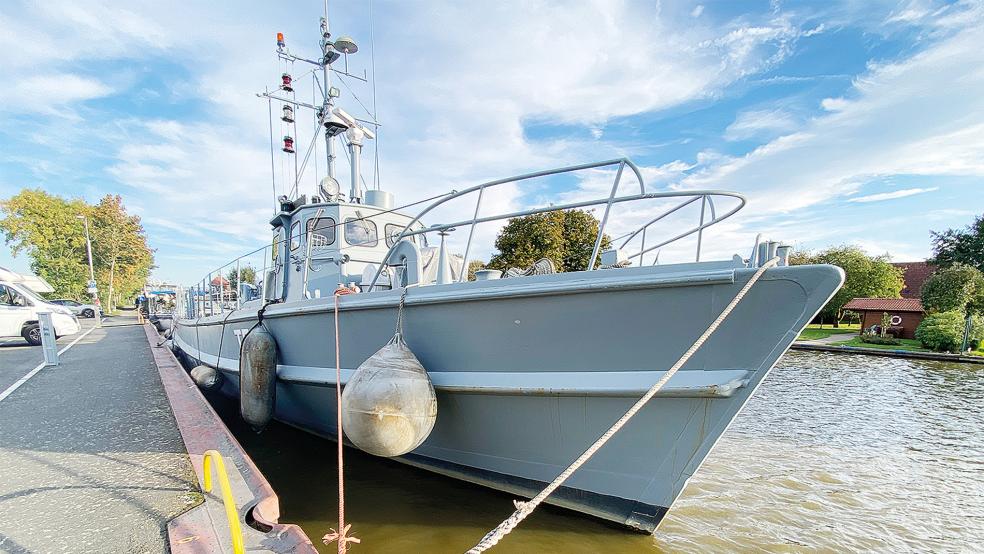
x,y
703,195
235,530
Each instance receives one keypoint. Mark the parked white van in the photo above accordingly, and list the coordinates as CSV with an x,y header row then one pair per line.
x,y
19,307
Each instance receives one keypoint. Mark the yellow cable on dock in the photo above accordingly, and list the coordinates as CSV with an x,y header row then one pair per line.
x,y
227,500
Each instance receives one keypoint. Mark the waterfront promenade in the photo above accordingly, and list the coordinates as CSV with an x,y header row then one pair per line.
x,y
94,459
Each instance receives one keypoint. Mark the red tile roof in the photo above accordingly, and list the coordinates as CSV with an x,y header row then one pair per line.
x,y
915,275
885,305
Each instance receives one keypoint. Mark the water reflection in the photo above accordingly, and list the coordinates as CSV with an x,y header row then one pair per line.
x,y
833,453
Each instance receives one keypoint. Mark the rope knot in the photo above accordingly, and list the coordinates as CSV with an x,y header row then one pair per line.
x,y
342,538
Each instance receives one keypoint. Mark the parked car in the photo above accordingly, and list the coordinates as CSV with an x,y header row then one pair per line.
x,y
19,307
78,308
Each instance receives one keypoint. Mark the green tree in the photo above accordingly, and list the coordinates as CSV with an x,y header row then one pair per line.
x,y
565,237
47,228
957,287
960,246
865,277
941,331
248,273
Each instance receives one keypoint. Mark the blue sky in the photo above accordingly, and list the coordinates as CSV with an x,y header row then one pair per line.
x,y
841,122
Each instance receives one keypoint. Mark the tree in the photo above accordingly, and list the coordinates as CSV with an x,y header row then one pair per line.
x,y
963,246
957,287
248,273
48,229
119,249
941,331
565,237
865,277
473,266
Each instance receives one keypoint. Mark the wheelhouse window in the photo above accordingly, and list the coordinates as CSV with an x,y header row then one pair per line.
x,y
322,232
295,235
393,232
361,232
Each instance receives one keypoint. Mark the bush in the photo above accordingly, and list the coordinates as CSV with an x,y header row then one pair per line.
x,y
877,339
942,332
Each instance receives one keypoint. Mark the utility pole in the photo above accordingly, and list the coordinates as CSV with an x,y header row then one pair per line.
x,y
92,272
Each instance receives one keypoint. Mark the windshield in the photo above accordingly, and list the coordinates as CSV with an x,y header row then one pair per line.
x,y
32,295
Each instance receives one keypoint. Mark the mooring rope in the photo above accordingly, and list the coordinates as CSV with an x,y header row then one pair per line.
x,y
341,535
524,509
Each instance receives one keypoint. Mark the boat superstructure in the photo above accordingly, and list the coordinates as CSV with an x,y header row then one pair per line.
x,y
530,368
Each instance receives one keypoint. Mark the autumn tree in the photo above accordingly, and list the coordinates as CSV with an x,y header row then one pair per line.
x,y
960,246
565,237
48,229
865,277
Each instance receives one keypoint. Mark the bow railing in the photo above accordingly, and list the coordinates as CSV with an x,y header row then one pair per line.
x,y
705,197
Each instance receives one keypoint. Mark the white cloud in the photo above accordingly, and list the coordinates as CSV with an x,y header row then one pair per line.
x,y
48,93
833,104
892,195
923,116
757,123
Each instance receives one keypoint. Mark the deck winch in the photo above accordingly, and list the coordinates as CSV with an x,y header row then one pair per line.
x,y
389,406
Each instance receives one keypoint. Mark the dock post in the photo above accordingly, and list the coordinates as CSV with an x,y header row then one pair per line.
x,y
48,340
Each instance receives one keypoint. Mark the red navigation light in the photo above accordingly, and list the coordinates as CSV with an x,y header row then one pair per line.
x,y
288,145
287,80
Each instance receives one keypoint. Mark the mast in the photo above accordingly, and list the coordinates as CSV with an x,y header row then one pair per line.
x,y
335,120
328,99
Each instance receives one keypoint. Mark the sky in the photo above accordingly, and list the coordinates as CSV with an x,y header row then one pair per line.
x,y
839,122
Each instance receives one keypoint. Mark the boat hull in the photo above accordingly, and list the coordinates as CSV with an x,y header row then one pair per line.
x,y
530,371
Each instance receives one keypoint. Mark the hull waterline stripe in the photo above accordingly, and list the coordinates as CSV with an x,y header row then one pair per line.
x,y
40,366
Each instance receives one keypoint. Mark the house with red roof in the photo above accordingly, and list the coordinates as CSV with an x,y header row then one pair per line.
x,y
905,314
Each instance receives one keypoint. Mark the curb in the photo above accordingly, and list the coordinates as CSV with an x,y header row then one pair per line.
x,y
204,528
890,353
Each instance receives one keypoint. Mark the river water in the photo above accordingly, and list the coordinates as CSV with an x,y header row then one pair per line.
x,y
834,453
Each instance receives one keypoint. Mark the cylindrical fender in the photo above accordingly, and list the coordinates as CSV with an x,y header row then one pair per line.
x,y
258,378
207,378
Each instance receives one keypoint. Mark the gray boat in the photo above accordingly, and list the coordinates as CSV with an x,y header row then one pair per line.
x,y
529,367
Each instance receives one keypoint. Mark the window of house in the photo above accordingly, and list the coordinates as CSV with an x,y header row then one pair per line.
x,y
361,232
295,235
322,232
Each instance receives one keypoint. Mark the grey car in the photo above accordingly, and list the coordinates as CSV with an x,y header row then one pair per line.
x,y
78,308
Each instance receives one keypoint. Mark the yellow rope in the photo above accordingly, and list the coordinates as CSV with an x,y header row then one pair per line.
x,y
524,509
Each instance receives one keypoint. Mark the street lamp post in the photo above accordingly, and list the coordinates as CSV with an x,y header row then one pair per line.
x,y
92,272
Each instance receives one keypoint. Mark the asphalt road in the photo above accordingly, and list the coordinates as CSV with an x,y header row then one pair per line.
x,y
17,358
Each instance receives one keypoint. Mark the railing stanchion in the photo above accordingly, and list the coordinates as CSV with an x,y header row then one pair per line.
x,y
604,220
239,281
700,228
471,233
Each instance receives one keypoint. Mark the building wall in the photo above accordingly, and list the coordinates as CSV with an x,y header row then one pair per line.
x,y
910,320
